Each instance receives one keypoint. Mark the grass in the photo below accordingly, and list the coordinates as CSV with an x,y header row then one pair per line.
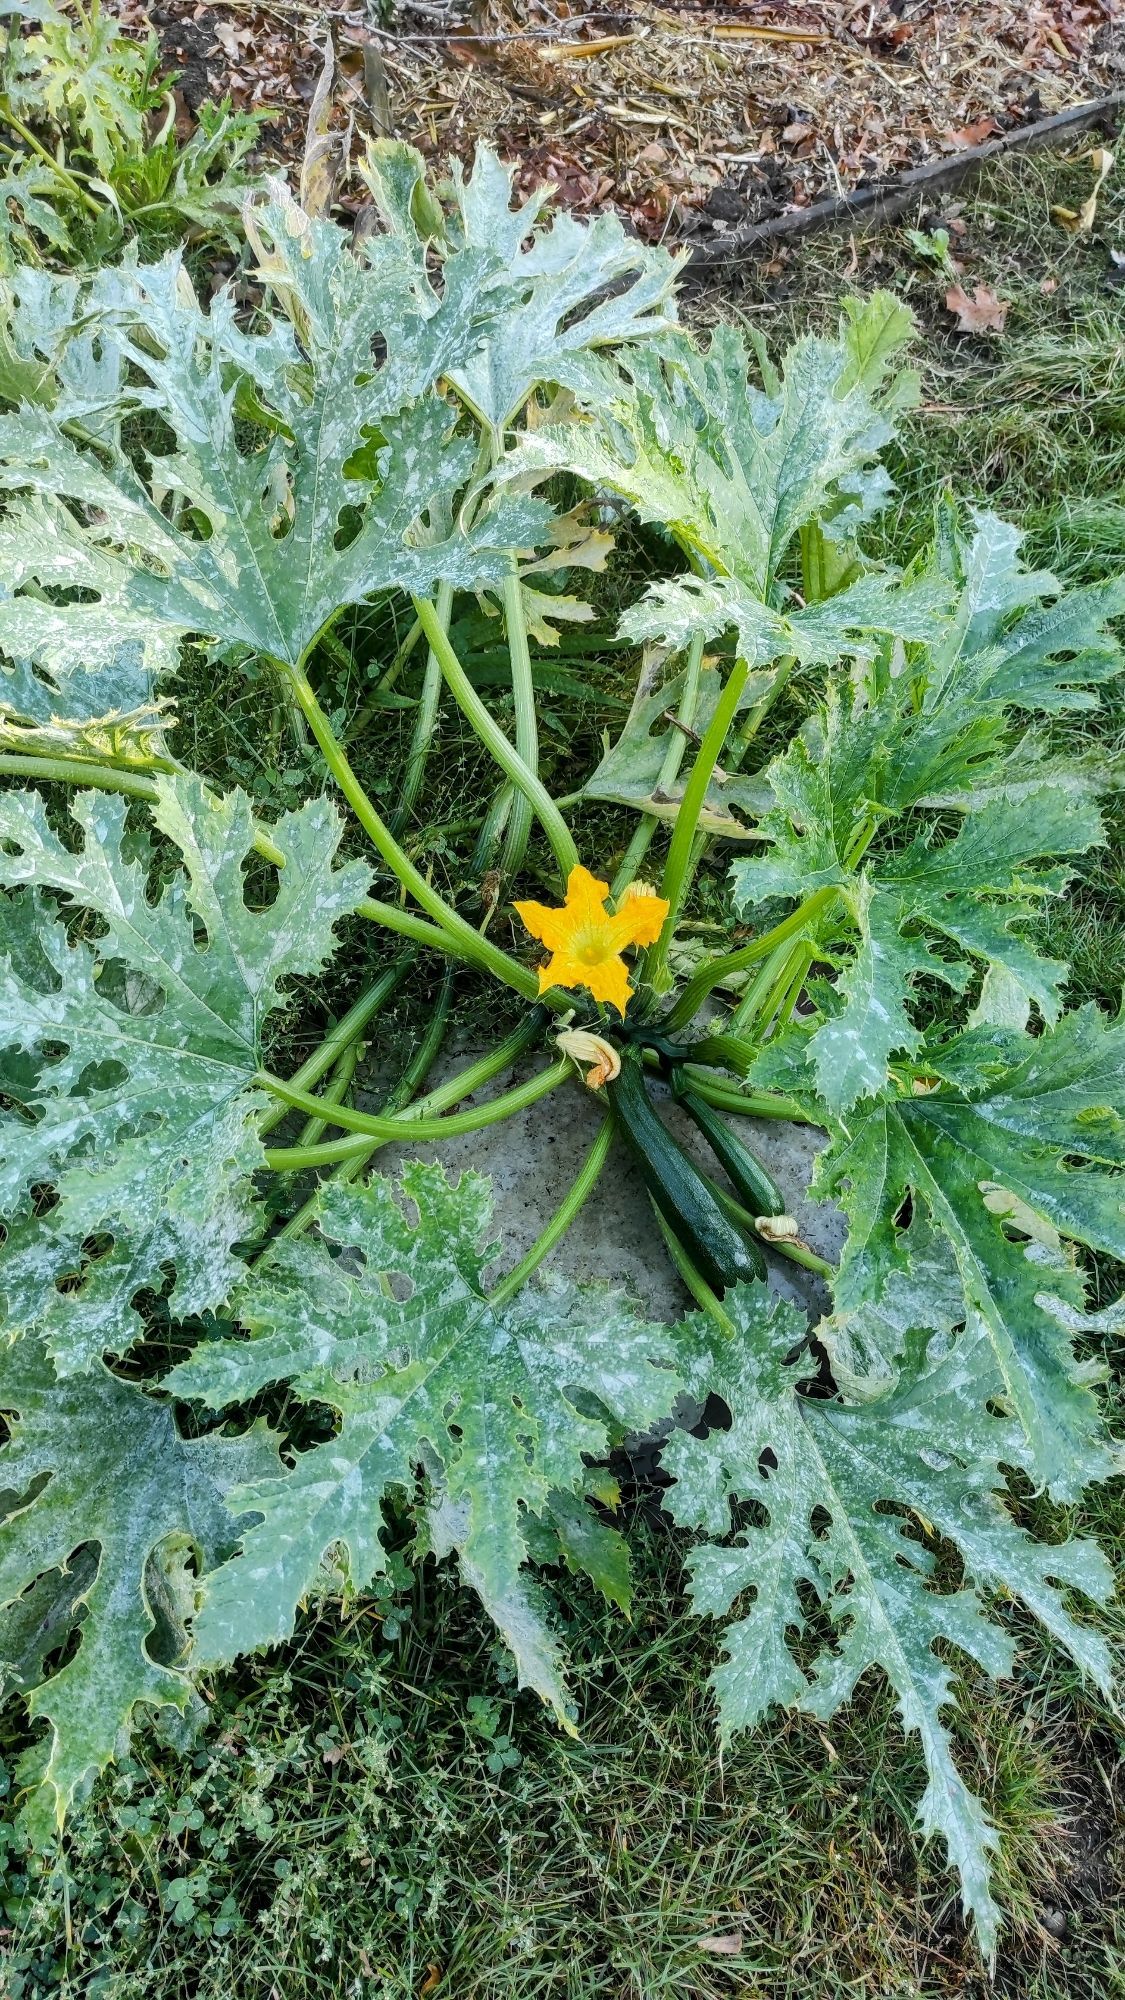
x,y
378,1813
380,1810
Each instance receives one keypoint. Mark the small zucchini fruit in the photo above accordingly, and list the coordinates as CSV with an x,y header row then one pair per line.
x,y
719,1251
753,1186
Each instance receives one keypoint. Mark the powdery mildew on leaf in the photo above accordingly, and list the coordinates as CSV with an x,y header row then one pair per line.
x,y
97,1461
145,1123
932,734
256,543
385,1320
926,1453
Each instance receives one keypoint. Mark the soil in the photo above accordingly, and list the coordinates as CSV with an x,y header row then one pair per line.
x,y
686,117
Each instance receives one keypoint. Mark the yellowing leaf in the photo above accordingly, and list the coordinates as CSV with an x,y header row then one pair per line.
x,y
1080,221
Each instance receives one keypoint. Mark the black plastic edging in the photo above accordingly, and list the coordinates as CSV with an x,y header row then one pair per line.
x,y
892,197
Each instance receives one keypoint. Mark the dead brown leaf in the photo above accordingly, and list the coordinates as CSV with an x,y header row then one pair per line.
x,y
724,1945
975,134
983,313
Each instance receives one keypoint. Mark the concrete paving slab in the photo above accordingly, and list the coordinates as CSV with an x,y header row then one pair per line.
x,y
532,1157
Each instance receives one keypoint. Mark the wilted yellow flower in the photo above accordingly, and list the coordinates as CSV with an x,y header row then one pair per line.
x,y
583,1047
586,942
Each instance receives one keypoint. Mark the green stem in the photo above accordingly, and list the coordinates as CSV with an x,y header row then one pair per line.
x,y
48,159
527,727
725,1051
579,1192
789,996
799,1253
674,751
743,1103
733,962
76,771
426,719
288,1159
694,1280
748,1011
452,934
797,960
411,1080
496,743
756,715
679,864
334,1092
341,1036
495,820
475,947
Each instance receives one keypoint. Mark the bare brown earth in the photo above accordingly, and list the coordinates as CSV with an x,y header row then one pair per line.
x,y
686,118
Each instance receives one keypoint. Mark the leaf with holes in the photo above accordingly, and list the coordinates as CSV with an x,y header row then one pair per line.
x,y
139,1107
262,536
1008,1151
384,1321
572,286
848,1504
99,1484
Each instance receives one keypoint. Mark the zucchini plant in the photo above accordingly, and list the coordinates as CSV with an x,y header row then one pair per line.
x,y
220,1381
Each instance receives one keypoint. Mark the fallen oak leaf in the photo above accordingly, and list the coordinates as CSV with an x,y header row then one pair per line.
x,y
983,313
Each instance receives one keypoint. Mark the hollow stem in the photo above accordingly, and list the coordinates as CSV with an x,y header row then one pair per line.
x,y
578,1192
733,962
476,948
742,1103
496,743
674,752
495,820
41,153
76,771
410,1081
337,1088
685,847
340,1037
527,727
371,1125
799,1253
723,1051
748,1012
425,720
790,994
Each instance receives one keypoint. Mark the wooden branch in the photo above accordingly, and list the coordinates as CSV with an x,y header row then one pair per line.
x,y
893,197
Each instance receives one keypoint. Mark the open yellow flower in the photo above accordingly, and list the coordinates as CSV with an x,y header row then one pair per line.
x,y
586,942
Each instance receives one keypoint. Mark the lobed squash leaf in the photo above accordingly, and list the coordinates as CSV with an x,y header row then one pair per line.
x,y
138,1107
850,1508
385,1321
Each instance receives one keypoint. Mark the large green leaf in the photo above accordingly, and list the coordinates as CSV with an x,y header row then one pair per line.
x,y
572,287
386,1322
928,733
258,541
79,69
848,1505
101,1494
734,471
139,1107
989,1155
816,635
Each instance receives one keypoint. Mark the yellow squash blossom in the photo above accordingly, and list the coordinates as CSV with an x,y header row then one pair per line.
x,y
586,942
